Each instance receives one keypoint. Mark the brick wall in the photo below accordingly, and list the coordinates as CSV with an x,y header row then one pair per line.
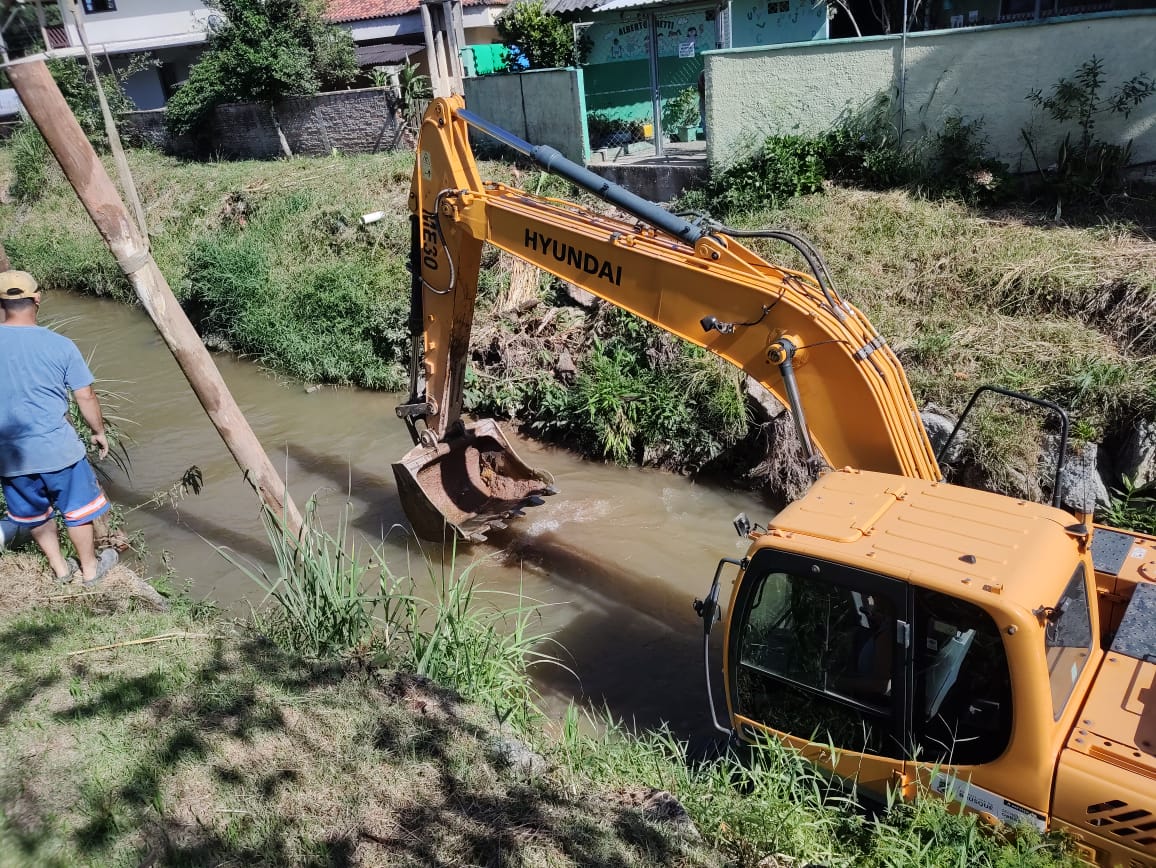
x,y
347,121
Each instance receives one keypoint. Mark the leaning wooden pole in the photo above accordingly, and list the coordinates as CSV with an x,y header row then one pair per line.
x,y
100,198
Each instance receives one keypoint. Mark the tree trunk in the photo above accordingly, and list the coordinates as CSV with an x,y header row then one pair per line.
x,y
99,196
4,263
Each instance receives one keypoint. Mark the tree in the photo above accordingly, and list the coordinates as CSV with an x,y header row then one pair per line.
x,y
536,39
266,50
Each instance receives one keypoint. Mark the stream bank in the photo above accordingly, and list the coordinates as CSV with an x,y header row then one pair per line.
x,y
966,297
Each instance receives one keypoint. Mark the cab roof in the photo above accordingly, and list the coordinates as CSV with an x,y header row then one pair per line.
x,y
960,541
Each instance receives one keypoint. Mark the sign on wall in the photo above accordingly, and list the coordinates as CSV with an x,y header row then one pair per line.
x,y
683,35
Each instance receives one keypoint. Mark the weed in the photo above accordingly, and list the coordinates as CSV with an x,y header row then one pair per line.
x,y
335,598
483,652
30,156
1087,164
322,609
1131,507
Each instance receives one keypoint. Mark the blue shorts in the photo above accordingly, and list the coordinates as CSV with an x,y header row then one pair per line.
x,y
74,491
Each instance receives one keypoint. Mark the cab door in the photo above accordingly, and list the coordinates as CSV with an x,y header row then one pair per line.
x,y
819,655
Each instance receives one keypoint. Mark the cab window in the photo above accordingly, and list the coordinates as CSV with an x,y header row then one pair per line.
x,y
1068,640
818,659
962,685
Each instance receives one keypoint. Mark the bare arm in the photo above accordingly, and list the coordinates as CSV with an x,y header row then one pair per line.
x,y
89,406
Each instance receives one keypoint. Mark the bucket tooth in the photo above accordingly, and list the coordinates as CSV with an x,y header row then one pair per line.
x,y
468,483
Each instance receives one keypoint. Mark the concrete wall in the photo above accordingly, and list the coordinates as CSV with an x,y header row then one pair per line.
x,y
544,107
980,72
348,121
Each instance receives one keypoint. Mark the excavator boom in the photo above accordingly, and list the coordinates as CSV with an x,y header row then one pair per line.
x,y
787,329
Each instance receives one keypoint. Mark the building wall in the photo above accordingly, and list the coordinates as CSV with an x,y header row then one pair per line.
x,y
774,22
617,70
142,19
543,106
348,121
978,73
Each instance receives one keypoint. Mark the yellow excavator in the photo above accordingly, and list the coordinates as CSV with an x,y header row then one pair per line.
x,y
902,632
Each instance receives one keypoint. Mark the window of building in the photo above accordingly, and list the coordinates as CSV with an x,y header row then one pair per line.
x,y
1068,639
962,685
91,6
819,659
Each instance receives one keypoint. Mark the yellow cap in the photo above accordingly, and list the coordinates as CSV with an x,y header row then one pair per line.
x,y
16,284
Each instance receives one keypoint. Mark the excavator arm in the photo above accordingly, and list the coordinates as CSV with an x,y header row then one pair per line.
x,y
787,329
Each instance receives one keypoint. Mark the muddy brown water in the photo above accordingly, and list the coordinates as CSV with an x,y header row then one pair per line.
x,y
616,557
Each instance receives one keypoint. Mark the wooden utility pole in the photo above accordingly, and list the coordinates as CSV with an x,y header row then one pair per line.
x,y
99,196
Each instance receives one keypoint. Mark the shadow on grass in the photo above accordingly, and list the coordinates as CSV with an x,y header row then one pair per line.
x,y
419,780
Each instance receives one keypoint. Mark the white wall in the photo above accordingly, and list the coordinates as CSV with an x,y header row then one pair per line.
x,y
981,72
137,20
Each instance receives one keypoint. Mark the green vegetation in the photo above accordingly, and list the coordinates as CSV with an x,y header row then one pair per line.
x,y
537,39
31,161
863,151
209,743
681,110
1132,507
212,746
1088,165
263,51
332,598
271,261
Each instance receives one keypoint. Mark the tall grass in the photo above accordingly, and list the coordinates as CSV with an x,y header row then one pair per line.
x,y
29,164
331,597
767,800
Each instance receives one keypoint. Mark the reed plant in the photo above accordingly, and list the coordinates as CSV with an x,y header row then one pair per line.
x,y
333,596
463,638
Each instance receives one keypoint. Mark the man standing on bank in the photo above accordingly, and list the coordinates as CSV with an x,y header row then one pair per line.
x,y
43,468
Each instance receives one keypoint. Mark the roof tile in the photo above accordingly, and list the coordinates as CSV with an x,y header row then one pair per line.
x,y
346,11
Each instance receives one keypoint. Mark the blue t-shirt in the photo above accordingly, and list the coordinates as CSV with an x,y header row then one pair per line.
x,y
37,369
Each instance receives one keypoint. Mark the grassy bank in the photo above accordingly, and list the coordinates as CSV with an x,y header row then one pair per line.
x,y
213,745
271,262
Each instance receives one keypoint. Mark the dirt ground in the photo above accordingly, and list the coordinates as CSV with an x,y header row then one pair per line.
x,y
26,582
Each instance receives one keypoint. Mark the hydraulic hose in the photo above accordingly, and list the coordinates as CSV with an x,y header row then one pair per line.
x,y
554,162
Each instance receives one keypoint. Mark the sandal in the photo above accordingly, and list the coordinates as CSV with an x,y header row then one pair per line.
x,y
73,570
107,561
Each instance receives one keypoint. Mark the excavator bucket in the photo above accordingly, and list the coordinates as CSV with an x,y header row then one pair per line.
x,y
470,484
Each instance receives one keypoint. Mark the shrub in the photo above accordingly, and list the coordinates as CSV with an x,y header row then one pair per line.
x,y
1087,164
863,151
263,52
537,39
681,110
784,167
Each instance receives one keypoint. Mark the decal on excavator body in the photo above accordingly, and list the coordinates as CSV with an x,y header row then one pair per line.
x,y
429,240
574,257
987,802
